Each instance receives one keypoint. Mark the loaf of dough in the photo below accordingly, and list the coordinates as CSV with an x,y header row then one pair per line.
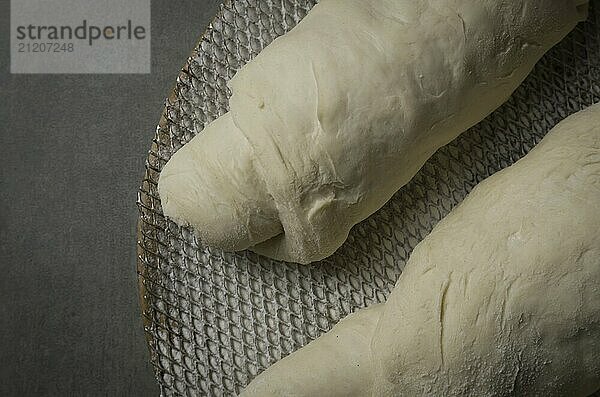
x,y
501,299
331,119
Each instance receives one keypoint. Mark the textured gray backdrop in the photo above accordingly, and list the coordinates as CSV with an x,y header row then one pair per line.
x,y
72,149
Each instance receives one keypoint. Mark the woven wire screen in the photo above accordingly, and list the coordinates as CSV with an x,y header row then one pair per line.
x,y
214,319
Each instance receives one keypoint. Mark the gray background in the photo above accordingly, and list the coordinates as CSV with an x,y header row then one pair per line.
x,y
72,149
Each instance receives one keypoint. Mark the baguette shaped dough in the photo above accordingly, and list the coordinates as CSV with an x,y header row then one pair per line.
x,y
334,117
501,299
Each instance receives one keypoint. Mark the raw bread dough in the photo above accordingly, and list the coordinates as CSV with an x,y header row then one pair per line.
x,y
501,299
331,119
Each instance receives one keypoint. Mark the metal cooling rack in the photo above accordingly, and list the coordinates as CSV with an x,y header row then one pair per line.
x,y
213,319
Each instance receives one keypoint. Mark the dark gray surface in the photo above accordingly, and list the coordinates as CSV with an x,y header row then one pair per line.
x,y
72,150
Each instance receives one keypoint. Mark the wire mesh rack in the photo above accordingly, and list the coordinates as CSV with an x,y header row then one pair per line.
x,y
213,320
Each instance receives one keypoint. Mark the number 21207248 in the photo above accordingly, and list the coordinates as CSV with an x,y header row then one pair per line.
x,y
46,47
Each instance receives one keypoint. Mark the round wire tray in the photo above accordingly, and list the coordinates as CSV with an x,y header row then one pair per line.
x,y
213,320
